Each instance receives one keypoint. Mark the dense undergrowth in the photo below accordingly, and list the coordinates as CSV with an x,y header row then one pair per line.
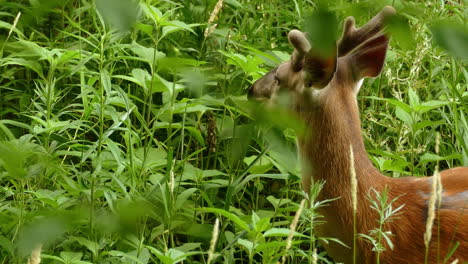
x,y
125,130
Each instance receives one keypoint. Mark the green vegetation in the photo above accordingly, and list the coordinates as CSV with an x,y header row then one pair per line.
x,y
125,130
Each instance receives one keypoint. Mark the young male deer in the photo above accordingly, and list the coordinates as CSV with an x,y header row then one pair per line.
x,y
323,93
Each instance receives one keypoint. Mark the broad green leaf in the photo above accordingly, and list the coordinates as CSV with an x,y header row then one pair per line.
x,y
280,232
150,55
174,26
27,63
429,105
183,197
403,106
121,14
152,157
260,224
262,165
153,13
399,29
247,244
428,157
228,215
124,255
28,49
90,245
404,116
322,38
195,132
70,257
240,183
164,259
427,123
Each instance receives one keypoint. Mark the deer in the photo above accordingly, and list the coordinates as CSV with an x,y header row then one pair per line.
x,y
323,93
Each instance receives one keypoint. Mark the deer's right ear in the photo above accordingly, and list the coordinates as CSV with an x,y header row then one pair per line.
x,y
367,59
365,47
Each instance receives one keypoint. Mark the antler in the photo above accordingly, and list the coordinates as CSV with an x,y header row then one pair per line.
x,y
353,37
301,47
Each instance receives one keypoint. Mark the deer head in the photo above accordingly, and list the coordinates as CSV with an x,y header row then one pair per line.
x,y
360,53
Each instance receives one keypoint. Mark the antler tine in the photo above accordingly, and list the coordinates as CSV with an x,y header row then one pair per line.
x,y
352,36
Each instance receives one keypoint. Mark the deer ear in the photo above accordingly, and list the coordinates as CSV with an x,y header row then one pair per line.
x,y
319,69
367,59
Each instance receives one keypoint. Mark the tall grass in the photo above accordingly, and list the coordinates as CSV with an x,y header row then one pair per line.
x,y
125,131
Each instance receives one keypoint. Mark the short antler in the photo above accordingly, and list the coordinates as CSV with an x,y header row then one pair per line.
x,y
301,47
353,37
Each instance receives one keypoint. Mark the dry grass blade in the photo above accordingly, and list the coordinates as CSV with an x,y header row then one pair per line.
x,y
434,201
293,229
14,24
212,18
353,198
214,238
35,255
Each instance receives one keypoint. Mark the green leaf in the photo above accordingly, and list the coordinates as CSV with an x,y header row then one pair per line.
x,y
322,38
183,197
228,215
399,29
281,232
176,25
121,14
70,257
428,157
150,55
124,255
413,98
247,244
154,157
429,105
30,64
404,116
452,37
90,245
196,134
262,165
427,123
403,106
142,77
275,244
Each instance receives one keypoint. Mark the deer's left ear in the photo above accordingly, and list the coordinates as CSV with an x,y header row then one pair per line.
x,y
318,69
367,59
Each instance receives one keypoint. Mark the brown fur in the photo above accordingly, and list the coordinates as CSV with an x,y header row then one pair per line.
x,y
332,119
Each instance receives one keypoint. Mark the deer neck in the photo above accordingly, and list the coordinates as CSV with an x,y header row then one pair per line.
x,y
332,127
